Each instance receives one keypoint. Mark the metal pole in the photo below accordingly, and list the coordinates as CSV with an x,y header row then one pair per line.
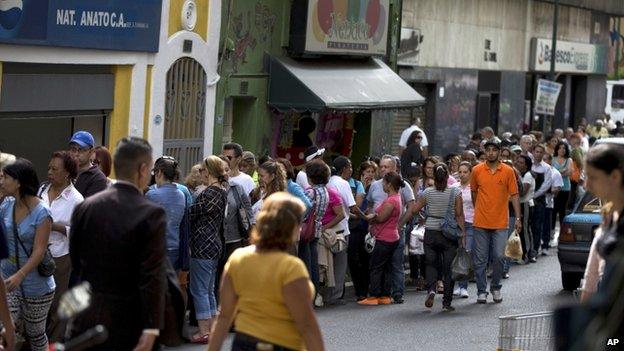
x,y
553,56
617,49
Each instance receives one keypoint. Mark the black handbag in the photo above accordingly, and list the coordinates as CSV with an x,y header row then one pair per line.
x,y
46,267
243,219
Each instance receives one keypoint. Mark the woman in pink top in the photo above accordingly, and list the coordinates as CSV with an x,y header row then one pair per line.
x,y
384,228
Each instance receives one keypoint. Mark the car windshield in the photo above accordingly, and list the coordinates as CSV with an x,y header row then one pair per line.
x,y
589,204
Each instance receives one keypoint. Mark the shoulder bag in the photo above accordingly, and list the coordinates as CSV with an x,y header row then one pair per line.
x,y
243,219
448,224
46,267
308,227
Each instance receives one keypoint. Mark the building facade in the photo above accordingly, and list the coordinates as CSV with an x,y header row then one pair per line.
x,y
317,72
145,68
478,63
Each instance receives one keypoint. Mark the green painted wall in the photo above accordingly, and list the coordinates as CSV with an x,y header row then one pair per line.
x,y
249,30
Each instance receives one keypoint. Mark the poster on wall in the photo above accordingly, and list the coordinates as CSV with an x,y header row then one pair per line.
x,y
547,95
409,47
347,26
97,24
296,132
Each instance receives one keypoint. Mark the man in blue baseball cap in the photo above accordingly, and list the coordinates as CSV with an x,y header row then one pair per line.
x,y
90,179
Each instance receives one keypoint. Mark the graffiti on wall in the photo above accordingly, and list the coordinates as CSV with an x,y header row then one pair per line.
x,y
265,22
243,40
616,42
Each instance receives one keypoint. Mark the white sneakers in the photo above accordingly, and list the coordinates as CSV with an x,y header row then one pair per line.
x,y
482,298
460,292
318,300
463,293
496,295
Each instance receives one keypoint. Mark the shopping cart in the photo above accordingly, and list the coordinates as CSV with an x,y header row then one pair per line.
x,y
524,332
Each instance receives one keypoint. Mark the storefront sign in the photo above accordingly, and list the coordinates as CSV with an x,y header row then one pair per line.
x,y
98,24
347,26
569,57
547,95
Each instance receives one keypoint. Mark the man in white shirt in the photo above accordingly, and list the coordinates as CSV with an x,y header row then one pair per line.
x,y
557,184
543,182
406,134
342,187
234,153
311,153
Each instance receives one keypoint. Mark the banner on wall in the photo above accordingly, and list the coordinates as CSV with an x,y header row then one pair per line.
x,y
347,26
547,95
97,24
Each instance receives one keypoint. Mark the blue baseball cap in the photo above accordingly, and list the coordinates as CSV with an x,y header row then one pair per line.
x,y
83,139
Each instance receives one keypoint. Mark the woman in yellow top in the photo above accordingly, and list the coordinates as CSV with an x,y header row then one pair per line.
x,y
266,291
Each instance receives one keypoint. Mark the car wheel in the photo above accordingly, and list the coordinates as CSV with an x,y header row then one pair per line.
x,y
570,281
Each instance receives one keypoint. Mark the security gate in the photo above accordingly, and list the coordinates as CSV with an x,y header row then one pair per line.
x,y
185,113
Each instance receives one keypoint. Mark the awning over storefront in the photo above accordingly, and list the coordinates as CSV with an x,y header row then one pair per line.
x,y
338,85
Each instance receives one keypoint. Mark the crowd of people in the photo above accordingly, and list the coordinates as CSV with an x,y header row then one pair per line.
x,y
256,236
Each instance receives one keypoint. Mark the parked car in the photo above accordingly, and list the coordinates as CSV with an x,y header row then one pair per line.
x,y
575,238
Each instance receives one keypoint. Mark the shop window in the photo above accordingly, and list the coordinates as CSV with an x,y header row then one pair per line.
x,y
617,97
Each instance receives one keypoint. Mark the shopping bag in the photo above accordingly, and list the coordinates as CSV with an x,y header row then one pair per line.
x,y
513,249
461,267
417,237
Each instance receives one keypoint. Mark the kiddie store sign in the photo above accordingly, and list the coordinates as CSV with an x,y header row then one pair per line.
x,y
99,24
347,26
569,57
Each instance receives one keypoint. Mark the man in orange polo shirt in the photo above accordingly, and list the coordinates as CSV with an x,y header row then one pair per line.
x,y
492,184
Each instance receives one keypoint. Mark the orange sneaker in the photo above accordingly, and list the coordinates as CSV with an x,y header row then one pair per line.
x,y
385,300
369,301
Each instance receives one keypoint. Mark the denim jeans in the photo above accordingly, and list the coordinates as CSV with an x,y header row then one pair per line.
x,y
537,227
547,231
469,244
173,256
308,253
489,243
203,275
398,270
358,262
381,269
437,246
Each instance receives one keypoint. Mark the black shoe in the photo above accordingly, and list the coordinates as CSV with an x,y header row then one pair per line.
x,y
430,298
533,260
398,300
505,275
448,308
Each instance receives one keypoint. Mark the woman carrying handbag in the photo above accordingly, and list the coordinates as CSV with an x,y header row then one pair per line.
x,y
441,200
28,223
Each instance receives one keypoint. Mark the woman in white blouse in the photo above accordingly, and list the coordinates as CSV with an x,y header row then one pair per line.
x,y
61,197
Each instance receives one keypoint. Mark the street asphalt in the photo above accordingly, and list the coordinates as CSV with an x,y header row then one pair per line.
x,y
412,326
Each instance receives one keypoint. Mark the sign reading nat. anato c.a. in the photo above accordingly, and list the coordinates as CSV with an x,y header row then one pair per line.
x,y
347,26
132,25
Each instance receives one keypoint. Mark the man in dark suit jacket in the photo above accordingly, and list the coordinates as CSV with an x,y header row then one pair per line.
x,y
117,243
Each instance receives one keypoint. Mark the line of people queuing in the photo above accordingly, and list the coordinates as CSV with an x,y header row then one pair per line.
x,y
491,189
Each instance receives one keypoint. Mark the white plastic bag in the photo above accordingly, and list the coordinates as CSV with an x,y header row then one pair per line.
x,y
417,237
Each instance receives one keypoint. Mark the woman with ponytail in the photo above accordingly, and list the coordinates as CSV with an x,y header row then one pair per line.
x,y
206,216
438,198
